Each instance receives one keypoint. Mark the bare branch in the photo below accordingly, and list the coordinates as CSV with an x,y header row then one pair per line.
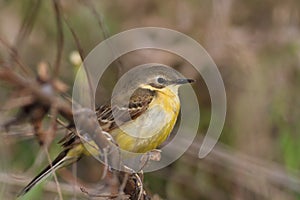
x,y
60,37
50,186
14,55
14,79
104,30
54,174
27,23
76,39
82,56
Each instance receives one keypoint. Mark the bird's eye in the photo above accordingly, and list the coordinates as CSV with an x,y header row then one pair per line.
x,y
161,80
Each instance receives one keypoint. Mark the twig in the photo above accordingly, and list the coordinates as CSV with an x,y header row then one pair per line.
x,y
60,38
12,179
54,174
104,30
53,125
27,23
76,39
82,56
14,54
124,182
140,186
24,31
74,173
98,17
100,195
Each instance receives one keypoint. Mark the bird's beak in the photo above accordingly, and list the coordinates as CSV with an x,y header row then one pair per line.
x,y
183,81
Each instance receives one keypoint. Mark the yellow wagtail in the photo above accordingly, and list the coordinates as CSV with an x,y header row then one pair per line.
x,y
153,108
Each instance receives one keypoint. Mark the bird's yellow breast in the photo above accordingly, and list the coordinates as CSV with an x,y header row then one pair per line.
x,y
151,128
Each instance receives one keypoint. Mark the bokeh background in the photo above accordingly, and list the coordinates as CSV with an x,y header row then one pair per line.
x,y
256,46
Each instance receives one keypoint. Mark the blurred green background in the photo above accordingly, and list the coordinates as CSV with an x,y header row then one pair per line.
x,y
256,46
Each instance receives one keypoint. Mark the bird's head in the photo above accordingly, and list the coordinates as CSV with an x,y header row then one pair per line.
x,y
164,82
156,78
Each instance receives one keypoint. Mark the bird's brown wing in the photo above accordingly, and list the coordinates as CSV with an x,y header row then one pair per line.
x,y
138,103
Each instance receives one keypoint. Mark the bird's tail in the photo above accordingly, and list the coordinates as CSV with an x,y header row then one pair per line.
x,y
59,162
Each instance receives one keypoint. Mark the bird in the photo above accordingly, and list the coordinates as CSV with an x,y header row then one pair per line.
x,y
153,110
